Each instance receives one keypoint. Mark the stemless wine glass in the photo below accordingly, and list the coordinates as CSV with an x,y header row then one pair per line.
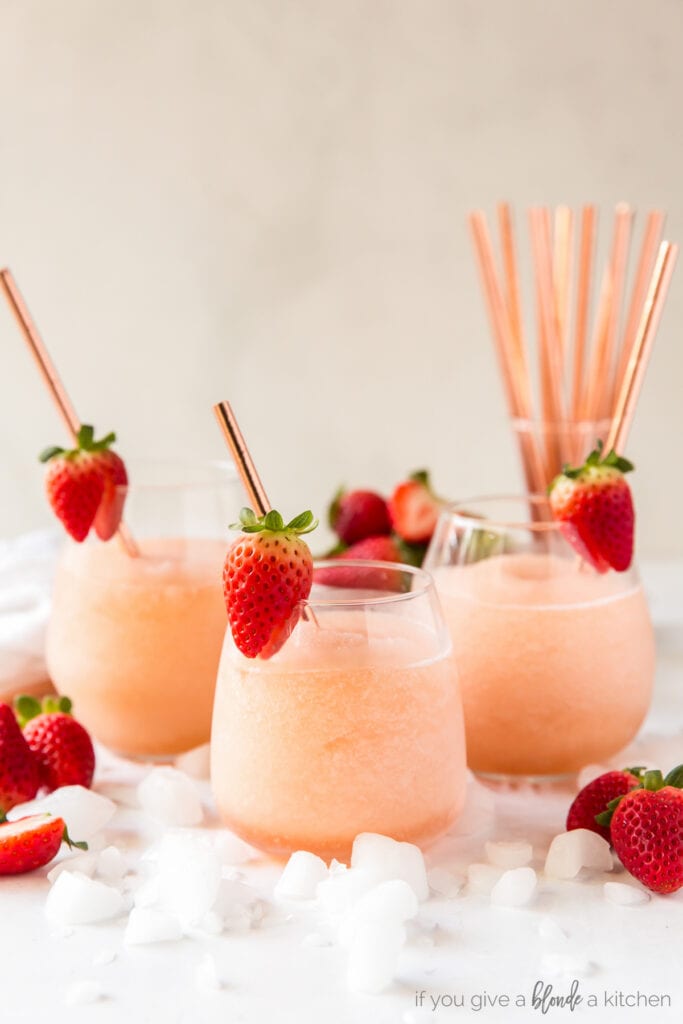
x,y
354,725
556,661
135,641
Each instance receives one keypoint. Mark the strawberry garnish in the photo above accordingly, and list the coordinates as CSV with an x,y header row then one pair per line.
x,y
267,575
646,829
594,504
594,798
19,771
355,515
85,483
29,843
61,746
414,509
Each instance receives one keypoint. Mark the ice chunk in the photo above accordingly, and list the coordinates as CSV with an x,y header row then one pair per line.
x,y
301,876
387,904
315,940
232,850
211,923
555,964
514,888
81,993
195,763
580,848
104,958
625,895
77,899
373,956
171,797
482,877
386,859
83,811
514,854
550,930
206,975
85,863
590,773
189,876
110,865
148,893
444,882
148,925
341,889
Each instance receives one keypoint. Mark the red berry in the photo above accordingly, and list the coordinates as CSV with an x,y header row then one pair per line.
x,y
595,506
29,843
115,477
414,509
594,797
268,573
359,514
376,549
19,771
647,835
62,748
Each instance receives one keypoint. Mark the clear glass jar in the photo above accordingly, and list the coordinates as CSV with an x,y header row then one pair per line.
x,y
135,641
355,725
556,661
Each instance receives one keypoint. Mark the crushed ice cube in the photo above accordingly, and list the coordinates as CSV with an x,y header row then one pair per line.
x,y
82,993
206,975
555,964
146,925
171,797
373,956
550,930
111,866
514,888
232,850
386,859
104,958
387,904
513,854
76,899
83,811
580,848
148,893
444,882
482,877
195,763
316,940
85,863
625,895
211,923
341,889
299,880
189,875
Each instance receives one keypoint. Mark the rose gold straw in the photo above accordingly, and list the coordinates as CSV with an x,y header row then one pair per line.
x,y
562,273
242,457
512,297
582,305
642,346
51,377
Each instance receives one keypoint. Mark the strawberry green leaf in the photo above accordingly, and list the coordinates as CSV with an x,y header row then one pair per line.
x,y
303,523
49,453
333,510
26,708
248,517
66,838
421,476
85,437
273,521
675,777
653,780
605,817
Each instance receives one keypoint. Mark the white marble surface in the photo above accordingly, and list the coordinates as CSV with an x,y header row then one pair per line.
x,y
271,974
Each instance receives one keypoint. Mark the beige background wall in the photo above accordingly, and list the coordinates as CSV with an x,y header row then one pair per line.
x,y
265,200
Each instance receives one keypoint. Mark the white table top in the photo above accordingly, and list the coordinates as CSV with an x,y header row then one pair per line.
x,y
275,972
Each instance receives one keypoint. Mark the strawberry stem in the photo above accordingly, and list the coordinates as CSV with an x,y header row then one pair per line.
x,y
66,838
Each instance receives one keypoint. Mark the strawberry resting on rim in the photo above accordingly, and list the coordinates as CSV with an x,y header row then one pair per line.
x,y
267,575
594,504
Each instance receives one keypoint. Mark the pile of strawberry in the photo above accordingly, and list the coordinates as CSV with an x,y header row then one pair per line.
x,y
641,814
395,530
51,750
86,485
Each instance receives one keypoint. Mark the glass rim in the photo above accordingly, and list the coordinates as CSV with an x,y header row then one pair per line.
x,y
426,583
460,512
224,469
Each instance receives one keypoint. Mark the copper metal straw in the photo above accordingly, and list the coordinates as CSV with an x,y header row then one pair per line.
x,y
243,460
50,376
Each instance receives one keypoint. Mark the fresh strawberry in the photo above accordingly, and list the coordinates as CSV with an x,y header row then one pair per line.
x,y
647,830
81,483
376,549
594,504
19,772
594,798
29,843
267,574
61,746
110,510
414,509
356,515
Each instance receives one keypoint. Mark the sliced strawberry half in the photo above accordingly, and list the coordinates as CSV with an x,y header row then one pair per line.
x,y
29,843
415,509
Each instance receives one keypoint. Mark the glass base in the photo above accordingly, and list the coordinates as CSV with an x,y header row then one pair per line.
x,y
501,781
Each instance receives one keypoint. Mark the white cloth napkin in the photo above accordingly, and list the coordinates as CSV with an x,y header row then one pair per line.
x,y
27,566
